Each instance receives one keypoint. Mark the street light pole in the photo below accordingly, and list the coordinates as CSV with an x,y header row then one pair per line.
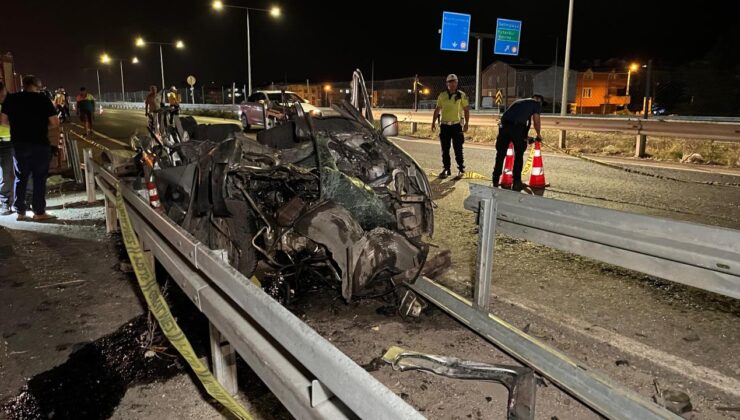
x,y
275,12
416,92
249,57
123,89
477,74
161,68
177,44
566,71
97,72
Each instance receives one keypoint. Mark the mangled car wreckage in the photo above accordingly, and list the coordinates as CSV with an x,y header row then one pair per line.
x,y
320,199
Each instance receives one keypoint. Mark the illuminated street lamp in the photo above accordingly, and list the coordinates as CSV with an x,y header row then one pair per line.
x,y
106,59
177,44
632,67
275,12
327,90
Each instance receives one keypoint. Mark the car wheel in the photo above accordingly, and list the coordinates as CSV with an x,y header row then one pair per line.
x,y
245,122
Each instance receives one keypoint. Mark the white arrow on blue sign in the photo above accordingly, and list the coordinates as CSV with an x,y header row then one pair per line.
x,y
455,32
508,33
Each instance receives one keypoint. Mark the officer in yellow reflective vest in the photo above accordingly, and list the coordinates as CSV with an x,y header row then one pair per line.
x,y
453,113
6,163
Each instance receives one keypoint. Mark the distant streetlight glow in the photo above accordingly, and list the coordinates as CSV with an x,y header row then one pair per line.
x,y
107,59
179,44
274,11
327,88
632,68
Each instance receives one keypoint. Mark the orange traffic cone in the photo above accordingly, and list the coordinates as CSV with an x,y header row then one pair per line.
x,y
537,178
507,177
151,186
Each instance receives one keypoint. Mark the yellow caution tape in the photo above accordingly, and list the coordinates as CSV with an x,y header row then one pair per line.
x,y
158,306
528,165
466,175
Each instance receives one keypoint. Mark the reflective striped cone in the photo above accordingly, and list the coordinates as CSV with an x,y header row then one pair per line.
x,y
507,177
151,186
537,178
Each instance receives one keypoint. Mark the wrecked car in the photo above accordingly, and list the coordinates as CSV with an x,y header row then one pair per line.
x,y
320,200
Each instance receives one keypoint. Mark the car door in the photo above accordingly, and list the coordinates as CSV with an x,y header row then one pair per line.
x,y
255,108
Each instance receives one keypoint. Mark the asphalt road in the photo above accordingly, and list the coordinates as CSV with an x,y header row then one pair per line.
x,y
633,328
570,178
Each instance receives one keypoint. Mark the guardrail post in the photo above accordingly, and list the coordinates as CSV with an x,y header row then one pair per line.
x,y
561,139
222,354
414,127
111,216
484,259
89,176
224,361
640,143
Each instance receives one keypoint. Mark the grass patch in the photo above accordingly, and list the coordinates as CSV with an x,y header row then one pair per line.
x,y
610,144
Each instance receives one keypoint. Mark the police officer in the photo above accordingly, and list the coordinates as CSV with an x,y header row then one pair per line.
x,y
453,113
514,127
6,163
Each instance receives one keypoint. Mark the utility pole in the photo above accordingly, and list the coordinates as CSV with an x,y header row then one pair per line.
x,y
641,142
566,71
416,92
555,76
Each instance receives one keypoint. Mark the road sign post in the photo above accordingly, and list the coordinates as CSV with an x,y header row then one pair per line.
x,y
508,33
191,82
455,32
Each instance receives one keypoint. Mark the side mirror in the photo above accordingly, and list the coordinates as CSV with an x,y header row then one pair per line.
x,y
389,125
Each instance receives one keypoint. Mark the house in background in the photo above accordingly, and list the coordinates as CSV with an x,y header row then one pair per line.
x,y
514,81
549,83
600,92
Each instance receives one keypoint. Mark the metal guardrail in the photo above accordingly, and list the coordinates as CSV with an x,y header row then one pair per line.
x,y
184,106
705,257
599,392
700,130
311,377
680,127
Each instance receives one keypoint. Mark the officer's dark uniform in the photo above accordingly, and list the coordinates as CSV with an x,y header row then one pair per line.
x,y
514,127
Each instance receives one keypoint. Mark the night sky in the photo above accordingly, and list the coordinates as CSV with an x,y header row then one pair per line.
x,y
57,40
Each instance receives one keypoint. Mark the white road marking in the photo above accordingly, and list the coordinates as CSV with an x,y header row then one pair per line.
x,y
97,133
665,360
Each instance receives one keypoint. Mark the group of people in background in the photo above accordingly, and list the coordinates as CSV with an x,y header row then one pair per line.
x,y
29,133
28,117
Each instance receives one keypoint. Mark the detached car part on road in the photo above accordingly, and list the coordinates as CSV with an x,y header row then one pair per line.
x,y
319,200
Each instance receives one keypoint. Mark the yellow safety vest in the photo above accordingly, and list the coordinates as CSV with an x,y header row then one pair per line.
x,y
4,131
452,106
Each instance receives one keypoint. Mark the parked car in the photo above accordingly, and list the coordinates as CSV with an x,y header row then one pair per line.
x,y
659,109
263,105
